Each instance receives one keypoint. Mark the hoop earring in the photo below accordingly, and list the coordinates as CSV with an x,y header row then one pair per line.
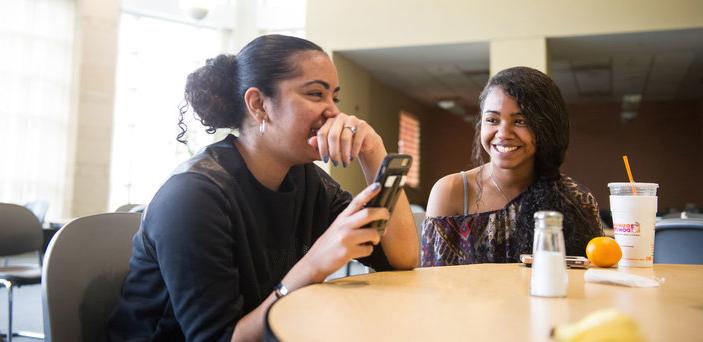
x,y
262,127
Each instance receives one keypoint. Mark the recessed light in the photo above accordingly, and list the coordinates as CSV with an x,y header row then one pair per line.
x,y
446,104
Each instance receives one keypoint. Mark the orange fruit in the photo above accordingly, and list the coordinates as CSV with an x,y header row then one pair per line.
x,y
603,251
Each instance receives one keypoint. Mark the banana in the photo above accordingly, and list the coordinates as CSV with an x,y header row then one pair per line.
x,y
600,326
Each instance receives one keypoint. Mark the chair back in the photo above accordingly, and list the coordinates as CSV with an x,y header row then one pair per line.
x,y
678,241
84,268
125,208
20,230
131,208
419,218
39,208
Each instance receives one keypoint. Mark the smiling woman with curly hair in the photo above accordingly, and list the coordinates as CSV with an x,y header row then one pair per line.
x,y
486,214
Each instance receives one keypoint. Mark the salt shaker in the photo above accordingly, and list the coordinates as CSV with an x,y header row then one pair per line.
x,y
549,278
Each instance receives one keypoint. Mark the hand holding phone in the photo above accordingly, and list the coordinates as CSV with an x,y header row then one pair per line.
x,y
391,175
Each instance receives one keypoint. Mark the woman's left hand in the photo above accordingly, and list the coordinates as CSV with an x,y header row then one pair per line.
x,y
344,138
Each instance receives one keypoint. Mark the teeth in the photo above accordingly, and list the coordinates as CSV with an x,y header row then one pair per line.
x,y
505,148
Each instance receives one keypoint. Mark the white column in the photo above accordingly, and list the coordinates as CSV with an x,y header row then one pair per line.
x,y
96,50
530,52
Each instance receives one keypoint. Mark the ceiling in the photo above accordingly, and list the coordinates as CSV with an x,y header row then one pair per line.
x,y
430,73
658,65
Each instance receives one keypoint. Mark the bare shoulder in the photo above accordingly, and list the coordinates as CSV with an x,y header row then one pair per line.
x,y
447,196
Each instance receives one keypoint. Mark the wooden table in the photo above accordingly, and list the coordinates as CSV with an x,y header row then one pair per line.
x,y
486,302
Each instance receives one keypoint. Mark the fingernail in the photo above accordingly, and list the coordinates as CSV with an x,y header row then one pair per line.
x,y
334,162
351,158
375,186
326,158
344,164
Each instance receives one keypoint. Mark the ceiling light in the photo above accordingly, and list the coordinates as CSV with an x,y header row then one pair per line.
x,y
196,9
632,98
446,104
630,106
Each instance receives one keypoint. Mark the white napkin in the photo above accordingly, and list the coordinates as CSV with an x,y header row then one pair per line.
x,y
620,278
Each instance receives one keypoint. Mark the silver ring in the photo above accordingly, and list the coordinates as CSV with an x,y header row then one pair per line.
x,y
351,128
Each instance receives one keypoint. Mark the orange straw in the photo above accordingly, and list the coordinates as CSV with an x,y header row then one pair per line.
x,y
629,174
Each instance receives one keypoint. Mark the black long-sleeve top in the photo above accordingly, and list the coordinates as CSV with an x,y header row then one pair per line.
x,y
214,242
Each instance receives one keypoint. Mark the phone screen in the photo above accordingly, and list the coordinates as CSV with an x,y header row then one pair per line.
x,y
391,175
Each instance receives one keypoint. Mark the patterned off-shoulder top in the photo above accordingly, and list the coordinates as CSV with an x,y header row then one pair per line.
x,y
491,237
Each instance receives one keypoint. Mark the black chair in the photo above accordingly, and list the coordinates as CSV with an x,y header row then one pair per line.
x,y
20,232
678,241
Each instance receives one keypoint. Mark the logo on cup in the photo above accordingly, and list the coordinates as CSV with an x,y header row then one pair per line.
x,y
627,228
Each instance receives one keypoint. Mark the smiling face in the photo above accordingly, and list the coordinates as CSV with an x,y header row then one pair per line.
x,y
505,135
301,105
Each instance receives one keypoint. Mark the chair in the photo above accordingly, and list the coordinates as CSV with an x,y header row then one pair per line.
x,y
39,208
131,208
20,232
84,268
678,241
419,218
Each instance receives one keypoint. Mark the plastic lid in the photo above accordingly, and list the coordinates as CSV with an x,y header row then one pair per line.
x,y
637,185
633,189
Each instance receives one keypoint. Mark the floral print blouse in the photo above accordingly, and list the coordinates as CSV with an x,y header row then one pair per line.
x,y
490,237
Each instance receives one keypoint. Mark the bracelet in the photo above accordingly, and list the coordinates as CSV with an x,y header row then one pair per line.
x,y
280,290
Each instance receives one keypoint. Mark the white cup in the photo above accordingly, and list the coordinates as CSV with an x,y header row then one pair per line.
x,y
634,210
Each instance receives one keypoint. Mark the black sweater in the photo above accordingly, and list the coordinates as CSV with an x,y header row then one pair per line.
x,y
214,242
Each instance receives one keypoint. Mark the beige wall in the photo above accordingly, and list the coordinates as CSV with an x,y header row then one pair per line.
x,y
533,53
355,85
343,25
96,51
380,106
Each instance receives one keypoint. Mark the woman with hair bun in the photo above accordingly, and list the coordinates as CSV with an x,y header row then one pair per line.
x,y
251,218
485,215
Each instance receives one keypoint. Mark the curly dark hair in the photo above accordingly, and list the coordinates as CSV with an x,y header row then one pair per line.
x,y
216,90
543,106
541,103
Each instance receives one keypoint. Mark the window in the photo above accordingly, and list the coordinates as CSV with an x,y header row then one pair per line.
x,y
36,81
409,143
155,57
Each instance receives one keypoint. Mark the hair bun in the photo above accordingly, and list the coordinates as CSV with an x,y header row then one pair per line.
x,y
211,91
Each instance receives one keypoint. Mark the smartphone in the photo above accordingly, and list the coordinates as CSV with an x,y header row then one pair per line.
x,y
571,261
391,175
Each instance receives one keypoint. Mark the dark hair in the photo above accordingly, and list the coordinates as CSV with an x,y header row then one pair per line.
x,y
216,90
541,102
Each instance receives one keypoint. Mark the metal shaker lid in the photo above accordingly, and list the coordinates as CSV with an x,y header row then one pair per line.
x,y
548,220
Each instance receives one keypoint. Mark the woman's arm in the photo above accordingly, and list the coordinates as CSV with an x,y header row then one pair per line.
x,y
189,227
344,138
342,241
400,241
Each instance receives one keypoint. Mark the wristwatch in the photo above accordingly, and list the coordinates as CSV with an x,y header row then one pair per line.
x,y
280,290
